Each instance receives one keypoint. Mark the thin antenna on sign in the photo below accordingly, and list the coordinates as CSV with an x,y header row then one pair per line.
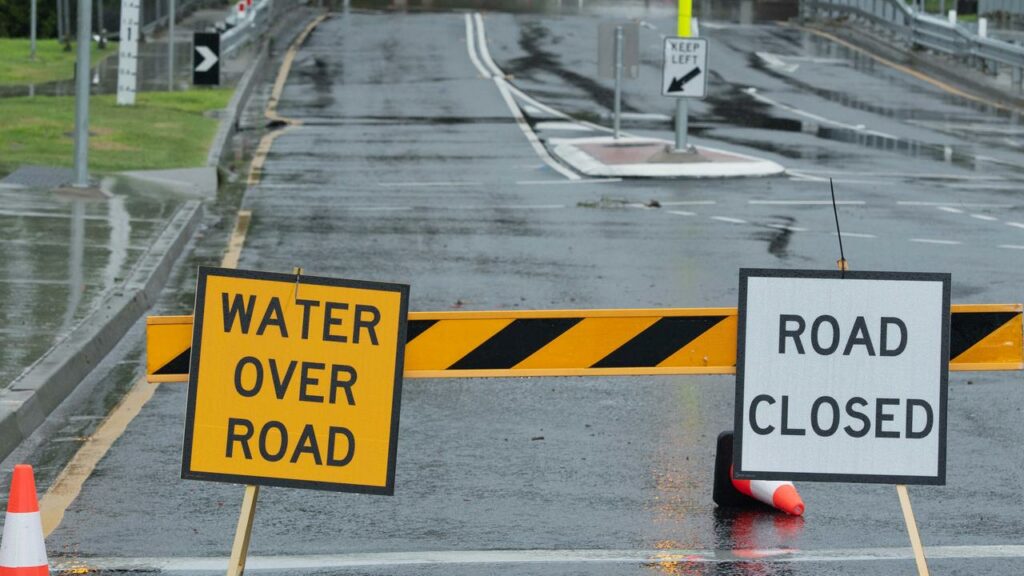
x,y
835,211
298,274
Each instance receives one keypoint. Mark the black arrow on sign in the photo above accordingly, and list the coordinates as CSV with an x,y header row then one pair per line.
x,y
677,83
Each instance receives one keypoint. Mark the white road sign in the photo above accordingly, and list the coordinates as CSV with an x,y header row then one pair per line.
x,y
842,378
685,71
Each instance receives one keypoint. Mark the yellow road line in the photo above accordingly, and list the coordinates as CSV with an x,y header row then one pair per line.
x,y
69,482
907,70
267,141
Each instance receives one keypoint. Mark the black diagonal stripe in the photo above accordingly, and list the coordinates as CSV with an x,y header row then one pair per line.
x,y
177,366
416,327
968,328
514,343
661,340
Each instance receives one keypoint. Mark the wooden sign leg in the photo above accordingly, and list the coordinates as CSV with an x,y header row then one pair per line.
x,y
240,549
915,537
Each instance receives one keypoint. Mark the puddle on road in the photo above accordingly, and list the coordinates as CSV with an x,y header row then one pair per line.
x,y
736,108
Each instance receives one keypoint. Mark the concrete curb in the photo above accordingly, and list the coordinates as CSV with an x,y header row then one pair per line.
x,y
567,150
233,113
47,382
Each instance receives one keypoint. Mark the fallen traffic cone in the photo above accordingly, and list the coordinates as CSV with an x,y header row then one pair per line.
x,y
733,493
780,494
22,550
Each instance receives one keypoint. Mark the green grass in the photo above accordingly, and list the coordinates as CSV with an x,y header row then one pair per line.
x,y
163,130
51,63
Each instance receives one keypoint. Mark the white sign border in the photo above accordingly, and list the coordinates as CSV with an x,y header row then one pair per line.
x,y
740,474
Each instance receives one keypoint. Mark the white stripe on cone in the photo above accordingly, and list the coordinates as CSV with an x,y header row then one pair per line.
x,y
22,545
764,490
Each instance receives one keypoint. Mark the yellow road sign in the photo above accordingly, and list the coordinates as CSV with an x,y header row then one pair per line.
x,y
294,381
603,342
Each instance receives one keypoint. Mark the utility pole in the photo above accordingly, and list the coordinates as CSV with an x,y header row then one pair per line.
x,y
170,48
60,20
32,50
101,29
82,95
67,25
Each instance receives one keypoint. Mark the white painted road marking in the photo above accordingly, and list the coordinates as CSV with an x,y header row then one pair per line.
x,y
426,184
1015,224
580,181
537,557
856,235
1011,246
960,204
729,220
985,217
808,202
950,210
788,227
933,241
682,213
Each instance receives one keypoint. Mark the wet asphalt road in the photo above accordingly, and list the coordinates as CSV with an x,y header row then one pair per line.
x,y
410,168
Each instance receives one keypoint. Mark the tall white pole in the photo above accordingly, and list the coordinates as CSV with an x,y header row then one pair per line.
x,y
82,95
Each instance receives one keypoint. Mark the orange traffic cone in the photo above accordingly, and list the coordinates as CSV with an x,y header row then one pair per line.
x,y
22,550
781,495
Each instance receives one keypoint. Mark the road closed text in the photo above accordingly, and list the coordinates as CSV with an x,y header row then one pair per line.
x,y
855,416
298,380
842,376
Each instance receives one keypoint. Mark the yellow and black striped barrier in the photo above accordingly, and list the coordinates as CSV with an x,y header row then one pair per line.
x,y
599,342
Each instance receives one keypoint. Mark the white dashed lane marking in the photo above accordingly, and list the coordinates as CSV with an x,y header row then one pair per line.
x,y
934,241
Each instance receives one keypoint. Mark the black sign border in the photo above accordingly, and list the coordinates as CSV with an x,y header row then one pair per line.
x,y
745,274
197,328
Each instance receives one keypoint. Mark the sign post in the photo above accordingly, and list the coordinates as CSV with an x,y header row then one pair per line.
x,y
618,57
842,377
682,106
294,381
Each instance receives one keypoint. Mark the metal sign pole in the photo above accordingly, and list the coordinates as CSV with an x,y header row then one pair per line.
x,y
32,50
682,107
618,80
682,122
170,48
82,95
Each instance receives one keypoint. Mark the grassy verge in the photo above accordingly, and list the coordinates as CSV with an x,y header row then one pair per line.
x,y
163,130
51,63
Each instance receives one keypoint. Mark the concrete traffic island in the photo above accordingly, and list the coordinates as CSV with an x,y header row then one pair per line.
x,y
634,157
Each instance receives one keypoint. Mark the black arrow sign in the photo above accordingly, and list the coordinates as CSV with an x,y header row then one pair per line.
x,y
677,83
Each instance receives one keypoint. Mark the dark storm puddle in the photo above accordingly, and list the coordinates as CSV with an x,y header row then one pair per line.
x,y
532,36
778,238
737,108
824,48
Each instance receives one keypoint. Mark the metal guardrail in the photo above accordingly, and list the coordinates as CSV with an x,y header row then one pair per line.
x,y
918,29
241,27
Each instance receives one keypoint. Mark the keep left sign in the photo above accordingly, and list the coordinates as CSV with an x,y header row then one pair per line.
x,y
295,381
842,377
